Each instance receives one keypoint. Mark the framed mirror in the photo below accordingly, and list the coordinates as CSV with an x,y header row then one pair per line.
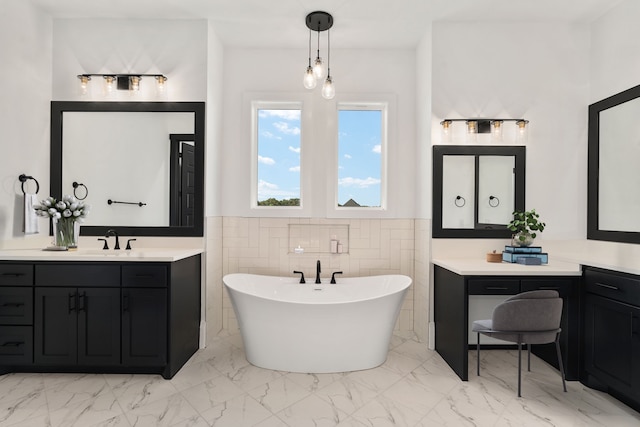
x,y
613,206
140,165
476,189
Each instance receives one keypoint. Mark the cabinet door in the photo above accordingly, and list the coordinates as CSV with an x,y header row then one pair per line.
x,y
98,326
611,343
144,327
55,326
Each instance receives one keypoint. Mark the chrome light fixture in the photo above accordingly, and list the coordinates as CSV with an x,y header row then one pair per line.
x,y
113,82
319,21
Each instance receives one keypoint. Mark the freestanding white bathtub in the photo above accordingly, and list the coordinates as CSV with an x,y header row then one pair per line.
x,y
293,327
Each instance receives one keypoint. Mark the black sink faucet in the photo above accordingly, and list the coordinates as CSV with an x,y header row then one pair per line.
x,y
318,272
112,232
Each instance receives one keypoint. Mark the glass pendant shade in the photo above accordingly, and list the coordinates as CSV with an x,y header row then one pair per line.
x,y
318,68
84,84
109,86
328,90
309,79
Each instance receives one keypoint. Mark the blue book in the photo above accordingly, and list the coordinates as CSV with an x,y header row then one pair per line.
x,y
523,249
513,257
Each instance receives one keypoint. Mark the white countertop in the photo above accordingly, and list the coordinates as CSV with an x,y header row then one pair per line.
x,y
122,255
476,267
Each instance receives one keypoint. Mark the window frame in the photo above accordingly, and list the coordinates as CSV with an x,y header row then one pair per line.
x,y
256,106
383,107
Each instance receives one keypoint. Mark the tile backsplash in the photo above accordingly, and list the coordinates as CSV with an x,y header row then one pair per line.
x,y
265,246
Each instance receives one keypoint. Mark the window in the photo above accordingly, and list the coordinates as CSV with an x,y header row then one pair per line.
x,y
277,135
362,134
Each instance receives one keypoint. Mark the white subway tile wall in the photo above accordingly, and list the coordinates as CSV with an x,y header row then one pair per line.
x,y
262,246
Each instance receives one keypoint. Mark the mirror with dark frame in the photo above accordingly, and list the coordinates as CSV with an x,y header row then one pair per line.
x,y
140,165
613,206
476,189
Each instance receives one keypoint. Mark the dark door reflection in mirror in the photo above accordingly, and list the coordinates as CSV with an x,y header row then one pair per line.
x,y
476,189
147,155
613,202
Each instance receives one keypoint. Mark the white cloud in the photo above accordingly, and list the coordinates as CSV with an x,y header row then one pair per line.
x,y
282,114
377,149
358,182
294,169
347,156
264,185
294,149
266,160
284,128
269,135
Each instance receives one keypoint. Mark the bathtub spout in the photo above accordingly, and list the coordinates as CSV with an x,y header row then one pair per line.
x,y
318,272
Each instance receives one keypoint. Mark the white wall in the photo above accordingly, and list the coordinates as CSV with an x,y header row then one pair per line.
x,y
175,48
25,84
358,75
536,71
615,51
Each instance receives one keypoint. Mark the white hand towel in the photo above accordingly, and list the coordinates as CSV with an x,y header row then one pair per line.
x,y
30,224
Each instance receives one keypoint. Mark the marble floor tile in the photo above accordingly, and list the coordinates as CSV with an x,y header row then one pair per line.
x,y
218,387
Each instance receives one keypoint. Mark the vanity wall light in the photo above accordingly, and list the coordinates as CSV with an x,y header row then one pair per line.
x,y
493,126
113,82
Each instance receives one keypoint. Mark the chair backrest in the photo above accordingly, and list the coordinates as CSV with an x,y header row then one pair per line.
x,y
529,311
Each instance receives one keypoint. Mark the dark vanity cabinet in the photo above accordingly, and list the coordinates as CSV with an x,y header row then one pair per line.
x,y
451,312
612,334
99,316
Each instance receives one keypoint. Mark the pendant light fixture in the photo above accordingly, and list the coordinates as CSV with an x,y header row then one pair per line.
x,y
319,21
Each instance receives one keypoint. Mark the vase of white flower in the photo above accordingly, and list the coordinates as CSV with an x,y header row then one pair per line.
x,y
66,215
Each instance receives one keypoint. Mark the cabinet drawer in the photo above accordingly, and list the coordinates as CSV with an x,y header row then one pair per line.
x,y
16,275
16,305
563,286
16,345
144,275
617,286
494,286
77,274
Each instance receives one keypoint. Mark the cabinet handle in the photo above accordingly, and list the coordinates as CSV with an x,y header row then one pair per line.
x,y
496,288
72,302
82,302
634,326
13,274
13,304
553,288
13,344
604,285
125,302
145,276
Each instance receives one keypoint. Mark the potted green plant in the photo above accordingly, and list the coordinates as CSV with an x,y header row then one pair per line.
x,y
524,227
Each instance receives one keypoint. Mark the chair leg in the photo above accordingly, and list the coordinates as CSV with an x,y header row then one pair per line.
x,y
529,357
478,354
564,385
519,364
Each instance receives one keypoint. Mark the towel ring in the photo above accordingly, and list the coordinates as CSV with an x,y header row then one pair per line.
x,y
75,187
23,178
493,201
459,203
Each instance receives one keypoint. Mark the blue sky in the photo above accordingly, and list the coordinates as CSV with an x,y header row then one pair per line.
x,y
359,161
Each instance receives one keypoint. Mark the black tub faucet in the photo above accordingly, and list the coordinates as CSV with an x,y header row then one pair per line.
x,y
318,272
112,232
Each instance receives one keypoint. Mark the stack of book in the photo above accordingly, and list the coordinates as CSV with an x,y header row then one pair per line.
x,y
530,255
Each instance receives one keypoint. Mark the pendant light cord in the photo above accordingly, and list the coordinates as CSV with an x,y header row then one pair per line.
x,y
309,47
328,53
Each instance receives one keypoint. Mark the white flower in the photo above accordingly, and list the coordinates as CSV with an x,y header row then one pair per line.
x,y
66,213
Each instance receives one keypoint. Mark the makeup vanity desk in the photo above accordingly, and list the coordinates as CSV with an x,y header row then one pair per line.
x,y
456,279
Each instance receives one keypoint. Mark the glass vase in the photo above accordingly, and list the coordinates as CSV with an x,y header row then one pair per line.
x,y
66,232
522,239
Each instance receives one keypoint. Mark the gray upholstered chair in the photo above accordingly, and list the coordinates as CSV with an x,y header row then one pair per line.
x,y
527,318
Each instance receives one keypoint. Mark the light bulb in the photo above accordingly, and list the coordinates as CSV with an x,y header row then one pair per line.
x,y
109,85
446,130
328,90
309,78
318,68
135,83
522,131
496,130
84,84
472,126
161,86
